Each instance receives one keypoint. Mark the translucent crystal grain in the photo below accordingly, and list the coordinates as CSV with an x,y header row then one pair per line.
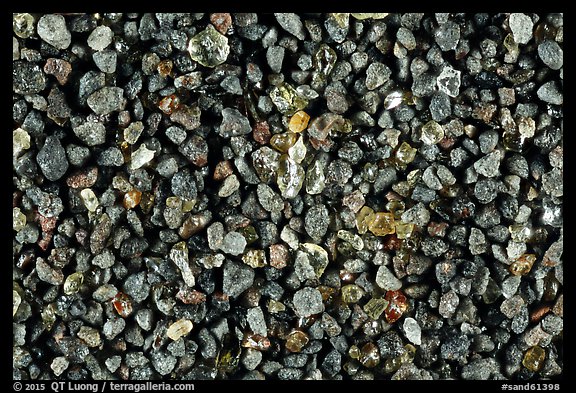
x,y
23,25
362,16
412,330
408,353
396,208
132,199
382,224
146,202
20,141
375,307
341,18
522,265
265,162
404,229
209,47
133,132
405,153
397,305
290,177
287,99
179,255
511,46
141,157
284,141
178,329
317,257
16,301
275,306
328,293
449,81
354,240
297,151
352,293
315,178
249,233
402,188
393,100
254,258
364,218
73,283
369,355
122,304
520,233
298,122
48,316
296,340
174,202
321,126
514,141
228,356
89,198
18,219
354,351
324,59
534,358
431,133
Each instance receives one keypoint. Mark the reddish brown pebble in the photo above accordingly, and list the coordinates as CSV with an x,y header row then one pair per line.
x,y
59,68
346,276
81,236
437,229
261,132
397,306
221,296
539,313
255,341
223,170
83,178
190,296
122,304
169,104
47,224
221,21
278,256
132,199
446,143
391,242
